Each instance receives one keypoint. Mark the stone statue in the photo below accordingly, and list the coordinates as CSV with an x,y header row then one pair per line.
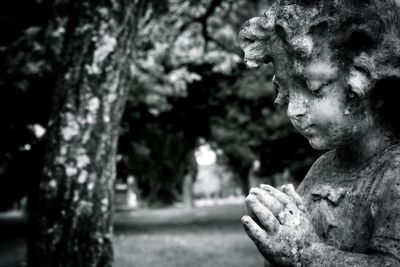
x,y
337,68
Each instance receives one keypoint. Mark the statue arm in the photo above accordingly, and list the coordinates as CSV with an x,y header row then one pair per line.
x,y
323,255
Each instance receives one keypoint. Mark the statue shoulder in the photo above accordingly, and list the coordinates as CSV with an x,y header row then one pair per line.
x,y
318,169
388,171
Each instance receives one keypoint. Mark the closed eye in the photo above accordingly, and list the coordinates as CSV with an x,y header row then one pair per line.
x,y
318,91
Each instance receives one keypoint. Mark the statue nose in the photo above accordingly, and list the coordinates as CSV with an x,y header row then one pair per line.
x,y
296,109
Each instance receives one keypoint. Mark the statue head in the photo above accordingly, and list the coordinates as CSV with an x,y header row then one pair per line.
x,y
337,64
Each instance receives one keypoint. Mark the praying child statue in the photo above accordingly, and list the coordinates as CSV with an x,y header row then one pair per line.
x,y
337,70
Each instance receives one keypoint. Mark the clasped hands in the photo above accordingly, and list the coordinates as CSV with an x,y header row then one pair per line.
x,y
278,224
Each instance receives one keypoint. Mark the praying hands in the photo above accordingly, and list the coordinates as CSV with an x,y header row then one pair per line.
x,y
277,224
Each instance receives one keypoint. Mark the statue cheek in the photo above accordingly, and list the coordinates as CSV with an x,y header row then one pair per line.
x,y
328,111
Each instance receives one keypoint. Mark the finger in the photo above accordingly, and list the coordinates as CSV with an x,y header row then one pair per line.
x,y
261,239
264,215
268,201
281,197
291,192
253,230
251,214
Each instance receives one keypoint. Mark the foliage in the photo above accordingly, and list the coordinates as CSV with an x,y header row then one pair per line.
x,y
25,83
170,96
188,81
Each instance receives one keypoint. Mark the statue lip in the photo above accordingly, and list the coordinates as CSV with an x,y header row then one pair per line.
x,y
307,130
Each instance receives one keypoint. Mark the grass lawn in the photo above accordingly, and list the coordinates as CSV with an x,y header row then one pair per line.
x,y
173,237
201,237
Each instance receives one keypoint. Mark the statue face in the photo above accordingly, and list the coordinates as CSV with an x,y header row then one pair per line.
x,y
328,56
321,107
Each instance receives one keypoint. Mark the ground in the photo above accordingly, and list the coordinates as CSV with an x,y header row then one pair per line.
x,y
173,237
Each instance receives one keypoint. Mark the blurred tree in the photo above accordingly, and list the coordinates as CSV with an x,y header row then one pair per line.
x,y
91,45
191,83
233,109
180,58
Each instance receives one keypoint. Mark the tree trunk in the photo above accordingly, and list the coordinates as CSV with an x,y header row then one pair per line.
x,y
187,192
189,179
71,218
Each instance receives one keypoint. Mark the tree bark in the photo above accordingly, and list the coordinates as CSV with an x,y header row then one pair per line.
x,y
72,216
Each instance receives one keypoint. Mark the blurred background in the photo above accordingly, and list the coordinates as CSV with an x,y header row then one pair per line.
x,y
198,130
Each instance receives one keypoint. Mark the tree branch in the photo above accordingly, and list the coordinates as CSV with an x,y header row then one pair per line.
x,y
201,19
210,10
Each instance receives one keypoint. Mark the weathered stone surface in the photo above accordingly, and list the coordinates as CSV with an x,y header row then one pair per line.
x,y
337,68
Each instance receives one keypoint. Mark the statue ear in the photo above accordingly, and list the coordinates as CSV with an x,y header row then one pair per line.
x,y
359,82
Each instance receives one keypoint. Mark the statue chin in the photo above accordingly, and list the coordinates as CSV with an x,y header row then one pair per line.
x,y
318,144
